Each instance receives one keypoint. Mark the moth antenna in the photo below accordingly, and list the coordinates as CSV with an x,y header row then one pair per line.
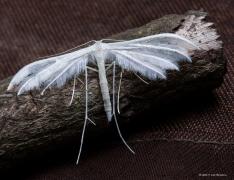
x,y
120,81
115,40
86,115
79,46
64,52
115,119
144,81
73,90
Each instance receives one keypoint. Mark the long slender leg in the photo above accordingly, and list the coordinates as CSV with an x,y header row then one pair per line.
x,y
93,69
141,78
86,115
80,80
120,81
92,122
73,90
116,122
109,66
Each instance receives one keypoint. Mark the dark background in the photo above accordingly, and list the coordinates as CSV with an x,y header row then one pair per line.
x,y
193,137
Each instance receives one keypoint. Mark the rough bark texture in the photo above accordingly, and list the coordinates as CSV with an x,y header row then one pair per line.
x,y
32,124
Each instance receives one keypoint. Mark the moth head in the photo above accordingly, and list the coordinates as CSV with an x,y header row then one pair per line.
x,y
98,45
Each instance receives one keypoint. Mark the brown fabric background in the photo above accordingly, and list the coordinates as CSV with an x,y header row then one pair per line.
x,y
191,137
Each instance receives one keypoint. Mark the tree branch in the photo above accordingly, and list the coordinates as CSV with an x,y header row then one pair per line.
x,y
31,124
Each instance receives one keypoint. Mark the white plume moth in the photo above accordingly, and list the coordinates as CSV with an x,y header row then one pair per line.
x,y
148,56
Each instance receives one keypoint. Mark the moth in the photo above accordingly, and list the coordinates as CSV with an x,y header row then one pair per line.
x,y
149,56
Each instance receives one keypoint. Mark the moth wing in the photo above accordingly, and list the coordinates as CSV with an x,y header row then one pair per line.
x,y
55,70
151,56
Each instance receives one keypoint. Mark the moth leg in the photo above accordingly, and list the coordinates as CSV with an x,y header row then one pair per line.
x,y
92,121
80,80
73,90
120,81
115,119
120,134
92,69
144,81
86,115
109,66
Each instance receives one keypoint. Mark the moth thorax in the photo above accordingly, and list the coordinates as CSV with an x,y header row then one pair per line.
x,y
98,45
99,55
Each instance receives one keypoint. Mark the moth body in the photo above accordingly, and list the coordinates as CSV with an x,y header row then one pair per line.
x,y
100,59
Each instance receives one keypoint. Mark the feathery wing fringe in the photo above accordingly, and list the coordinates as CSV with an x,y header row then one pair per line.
x,y
53,71
150,56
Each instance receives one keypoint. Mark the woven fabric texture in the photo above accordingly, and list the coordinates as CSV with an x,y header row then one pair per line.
x,y
196,139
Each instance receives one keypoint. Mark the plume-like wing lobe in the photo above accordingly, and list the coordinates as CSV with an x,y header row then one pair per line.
x,y
151,56
52,71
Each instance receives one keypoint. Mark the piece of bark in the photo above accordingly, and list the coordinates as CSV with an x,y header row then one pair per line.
x,y
32,124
